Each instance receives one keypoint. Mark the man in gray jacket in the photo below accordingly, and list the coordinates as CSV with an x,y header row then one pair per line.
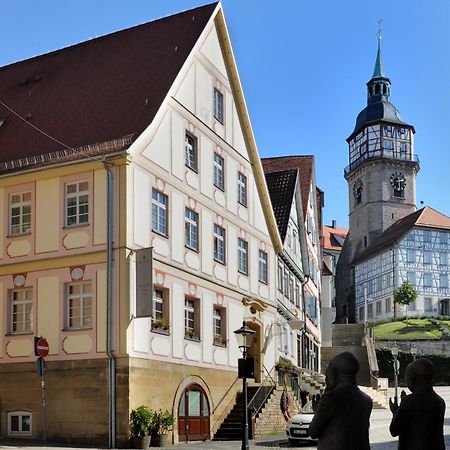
x,y
342,418
419,420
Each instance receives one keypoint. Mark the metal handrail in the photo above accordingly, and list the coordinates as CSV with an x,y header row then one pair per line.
x,y
226,409
266,390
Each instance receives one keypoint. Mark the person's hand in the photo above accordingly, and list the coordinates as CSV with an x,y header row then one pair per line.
x,y
403,394
393,405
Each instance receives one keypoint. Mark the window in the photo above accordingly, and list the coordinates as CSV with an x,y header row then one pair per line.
x,y
160,313
428,304
410,237
77,203
219,326
443,281
190,152
411,278
191,328
262,266
19,422
427,280
412,306
443,258
286,282
20,213
427,256
21,310
159,212
294,241
443,238
361,313
79,305
370,311
218,105
387,305
280,276
219,180
219,244
191,229
410,255
243,256
242,189
297,295
426,236
378,308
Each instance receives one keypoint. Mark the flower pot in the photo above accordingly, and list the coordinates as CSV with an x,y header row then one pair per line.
x,y
141,442
160,440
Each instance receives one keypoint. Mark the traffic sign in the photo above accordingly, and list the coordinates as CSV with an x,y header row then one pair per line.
x,y
42,347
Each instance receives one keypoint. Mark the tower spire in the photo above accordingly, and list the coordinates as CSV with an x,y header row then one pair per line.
x,y
378,70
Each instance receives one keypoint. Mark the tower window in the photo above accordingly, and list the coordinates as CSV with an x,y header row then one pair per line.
x,y
377,89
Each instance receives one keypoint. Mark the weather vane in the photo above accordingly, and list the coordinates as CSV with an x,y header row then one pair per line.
x,y
380,28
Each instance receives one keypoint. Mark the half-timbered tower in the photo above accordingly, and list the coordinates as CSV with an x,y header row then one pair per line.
x,y
381,177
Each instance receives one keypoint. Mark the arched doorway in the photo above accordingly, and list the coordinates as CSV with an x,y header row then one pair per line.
x,y
193,415
255,350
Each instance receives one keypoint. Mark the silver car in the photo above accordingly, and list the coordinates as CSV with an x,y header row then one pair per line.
x,y
297,429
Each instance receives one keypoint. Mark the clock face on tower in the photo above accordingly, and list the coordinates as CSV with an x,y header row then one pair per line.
x,y
398,183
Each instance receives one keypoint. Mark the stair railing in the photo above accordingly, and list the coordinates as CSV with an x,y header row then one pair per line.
x,y
373,362
227,408
262,394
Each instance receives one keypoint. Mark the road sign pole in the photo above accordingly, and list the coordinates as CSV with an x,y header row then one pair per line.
x,y
43,408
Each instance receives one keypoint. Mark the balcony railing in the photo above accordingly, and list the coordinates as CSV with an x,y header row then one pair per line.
x,y
381,154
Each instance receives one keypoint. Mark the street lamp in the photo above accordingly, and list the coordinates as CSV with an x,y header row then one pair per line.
x,y
414,351
394,351
244,336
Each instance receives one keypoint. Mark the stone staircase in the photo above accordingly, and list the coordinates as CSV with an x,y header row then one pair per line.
x,y
312,382
269,419
379,399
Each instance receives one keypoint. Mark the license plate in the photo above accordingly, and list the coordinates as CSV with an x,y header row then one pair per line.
x,y
299,432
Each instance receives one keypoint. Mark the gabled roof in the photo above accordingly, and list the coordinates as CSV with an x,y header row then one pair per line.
x,y
333,237
96,91
425,218
281,187
305,166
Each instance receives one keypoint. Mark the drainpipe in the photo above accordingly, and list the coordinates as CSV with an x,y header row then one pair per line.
x,y
109,309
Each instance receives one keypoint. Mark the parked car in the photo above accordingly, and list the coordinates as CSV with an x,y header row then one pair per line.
x,y
297,429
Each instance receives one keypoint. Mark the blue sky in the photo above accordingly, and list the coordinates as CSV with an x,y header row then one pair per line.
x,y
303,65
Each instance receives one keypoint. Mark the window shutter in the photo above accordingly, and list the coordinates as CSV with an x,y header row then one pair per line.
x,y
144,282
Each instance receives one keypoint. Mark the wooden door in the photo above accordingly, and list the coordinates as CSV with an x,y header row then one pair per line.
x,y
193,415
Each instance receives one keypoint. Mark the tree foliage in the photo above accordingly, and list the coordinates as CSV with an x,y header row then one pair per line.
x,y
405,294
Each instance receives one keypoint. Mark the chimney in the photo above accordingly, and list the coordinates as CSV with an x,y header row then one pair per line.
x,y
333,223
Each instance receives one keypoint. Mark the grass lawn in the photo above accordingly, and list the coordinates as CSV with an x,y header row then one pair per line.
x,y
412,329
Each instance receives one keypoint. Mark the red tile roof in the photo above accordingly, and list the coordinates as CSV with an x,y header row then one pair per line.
x,y
426,217
332,238
97,91
303,163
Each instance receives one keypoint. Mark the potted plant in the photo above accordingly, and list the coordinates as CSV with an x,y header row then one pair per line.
x,y
219,340
141,420
162,423
191,334
160,324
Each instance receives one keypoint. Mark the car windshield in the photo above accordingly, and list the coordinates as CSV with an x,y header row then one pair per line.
x,y
307,409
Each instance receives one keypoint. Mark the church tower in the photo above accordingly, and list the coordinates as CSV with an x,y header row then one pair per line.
x,y
381,178
382,169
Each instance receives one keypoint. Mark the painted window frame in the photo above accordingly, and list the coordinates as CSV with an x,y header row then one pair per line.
x,y
24,227
191,318
21,306
218,106
262,266
242,189
191,229
242,256
219,326
160,207
191,151
427,279
219,171
219,244
78,195
20,415
84,302
160,310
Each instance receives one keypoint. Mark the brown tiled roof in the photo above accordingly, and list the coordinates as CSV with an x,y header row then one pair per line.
x,y
426,217
281,187
305,166
97,91
332,238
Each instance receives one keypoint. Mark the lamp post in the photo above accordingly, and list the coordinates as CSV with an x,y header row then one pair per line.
x,y
244,336
414,351
394,351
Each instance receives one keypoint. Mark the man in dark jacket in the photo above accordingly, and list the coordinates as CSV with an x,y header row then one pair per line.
x,y
419,420
341,421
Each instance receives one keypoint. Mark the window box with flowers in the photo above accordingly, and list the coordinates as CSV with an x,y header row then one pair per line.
x,y
219,340
161,326
191,334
